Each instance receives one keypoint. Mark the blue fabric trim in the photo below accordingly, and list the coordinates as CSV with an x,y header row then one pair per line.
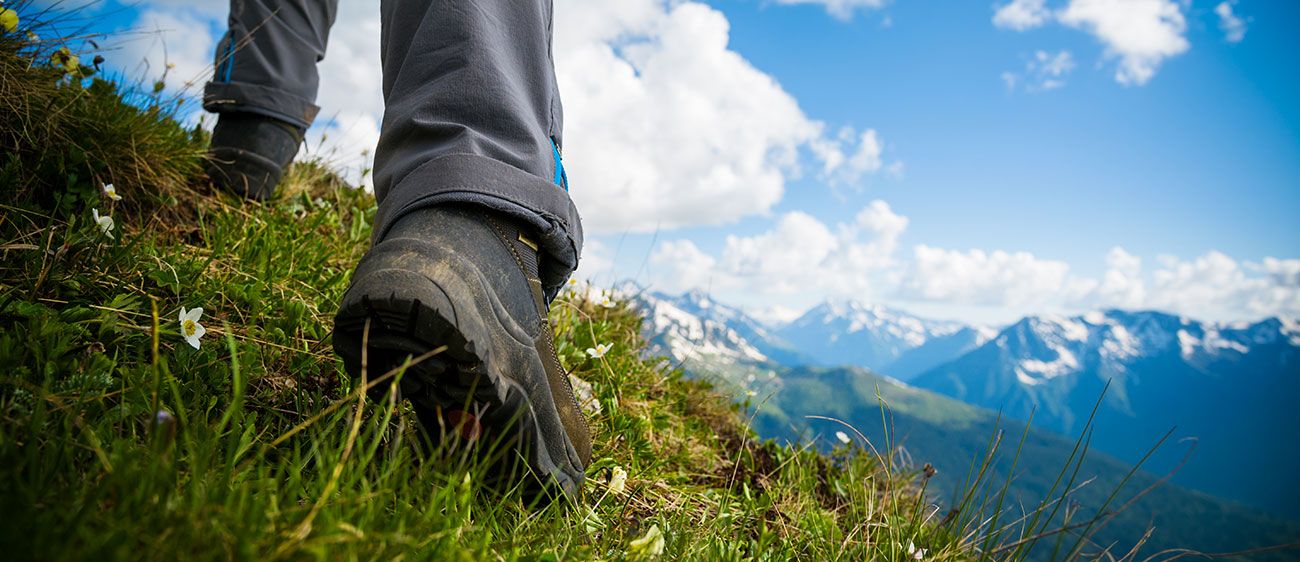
x,y
561,178
230,58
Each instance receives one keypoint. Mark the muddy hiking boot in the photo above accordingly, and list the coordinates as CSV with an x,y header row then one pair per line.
x,y
468,280
249,152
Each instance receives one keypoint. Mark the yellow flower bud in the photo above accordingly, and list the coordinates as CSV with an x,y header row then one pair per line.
x,y
64,58
8,19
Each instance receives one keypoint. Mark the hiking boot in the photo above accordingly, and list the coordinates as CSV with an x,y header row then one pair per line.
x,y
466,279
249,152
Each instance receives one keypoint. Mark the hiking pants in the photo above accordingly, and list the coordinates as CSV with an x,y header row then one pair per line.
x,y
472,112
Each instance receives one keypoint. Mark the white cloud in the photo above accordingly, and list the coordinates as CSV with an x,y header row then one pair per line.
x,y
801,260
182,38
679,265
596,265
1218,287
1232,25
839,168
841,9
1021,15
1121,286
1043,72
800,255
668,127
983,278
799,243
1140,33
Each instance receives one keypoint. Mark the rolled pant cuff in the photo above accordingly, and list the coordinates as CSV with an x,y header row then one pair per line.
x,y
479,180
219,97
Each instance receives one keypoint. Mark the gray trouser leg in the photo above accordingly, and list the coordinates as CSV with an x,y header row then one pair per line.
x,y
472,112
472,115
266,63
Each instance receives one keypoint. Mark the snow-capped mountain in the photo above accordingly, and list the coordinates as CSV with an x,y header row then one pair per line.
x,y
1232,386
882,339
676,329
693,328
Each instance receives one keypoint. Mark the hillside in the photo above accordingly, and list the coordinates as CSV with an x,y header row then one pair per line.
x,y
943,432
122,440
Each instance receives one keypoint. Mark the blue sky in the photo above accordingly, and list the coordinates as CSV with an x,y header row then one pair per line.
x,y
1149,157
1204,156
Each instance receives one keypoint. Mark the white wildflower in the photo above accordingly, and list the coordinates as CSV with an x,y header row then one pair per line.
x,y
843,437
750,393
586,395
650,545
111,192
600,350
607,302
617,480
190,327
105,222
915,553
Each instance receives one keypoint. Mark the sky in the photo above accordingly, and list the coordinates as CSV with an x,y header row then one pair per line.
x,y
969,160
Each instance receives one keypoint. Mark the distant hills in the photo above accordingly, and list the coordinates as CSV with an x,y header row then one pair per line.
x,y
1230,386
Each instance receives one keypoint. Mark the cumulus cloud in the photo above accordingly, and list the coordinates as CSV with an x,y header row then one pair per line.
x,y
668,127
1219,286
841,9
1021,14
1121,286
680,265
983,278
1043,72
799,242
839,168
861,259
172,43
1140,33
799,255
1232,25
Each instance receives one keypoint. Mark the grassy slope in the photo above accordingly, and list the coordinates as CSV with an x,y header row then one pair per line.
x,y
945,432
268,452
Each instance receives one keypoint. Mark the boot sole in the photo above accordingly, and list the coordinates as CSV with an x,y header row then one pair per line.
x,y
410,315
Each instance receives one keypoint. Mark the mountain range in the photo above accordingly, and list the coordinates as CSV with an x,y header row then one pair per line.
x,y
1225,389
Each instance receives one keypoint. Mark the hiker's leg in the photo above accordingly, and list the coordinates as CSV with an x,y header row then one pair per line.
x,y
472,115
266,63
475,230
264,88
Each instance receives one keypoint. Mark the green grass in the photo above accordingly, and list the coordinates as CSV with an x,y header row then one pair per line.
x,y
120,441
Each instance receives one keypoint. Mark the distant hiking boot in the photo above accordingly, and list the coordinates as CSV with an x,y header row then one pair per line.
x,y
249,152
468,280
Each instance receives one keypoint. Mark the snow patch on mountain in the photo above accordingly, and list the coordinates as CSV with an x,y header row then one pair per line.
x,y
1033,371
685,335
1291,329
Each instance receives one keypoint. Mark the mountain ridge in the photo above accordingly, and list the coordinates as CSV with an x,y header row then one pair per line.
x,y
1157,370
